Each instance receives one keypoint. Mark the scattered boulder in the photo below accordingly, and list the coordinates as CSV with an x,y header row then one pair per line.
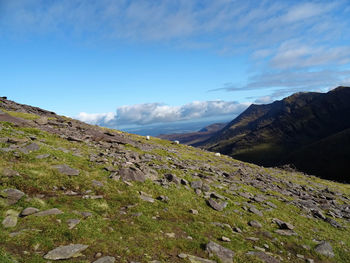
x,y
195,259
106,259
255,211
9,221
29,148
318,214
28,211
11,195
6,172
131,174
333,223
172,178
194,211
325,249
224,254
65,252
282,224
263,256
67,170
42,156
72,222
255,224
97,183
163,198
216,205
225,239
146,198
196,184
42,121
53,211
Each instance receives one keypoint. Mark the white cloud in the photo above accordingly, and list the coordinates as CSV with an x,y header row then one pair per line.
x,y
295,54
148,113
96,118
293,81
306,10
264,100
223,23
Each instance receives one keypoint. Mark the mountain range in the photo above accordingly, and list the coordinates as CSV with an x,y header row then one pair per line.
x,y
309,131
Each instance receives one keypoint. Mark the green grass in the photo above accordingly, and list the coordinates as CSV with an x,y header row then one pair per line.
x,y
113,230
22,115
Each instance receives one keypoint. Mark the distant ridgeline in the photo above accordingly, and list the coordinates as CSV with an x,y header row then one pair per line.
x,y
309,130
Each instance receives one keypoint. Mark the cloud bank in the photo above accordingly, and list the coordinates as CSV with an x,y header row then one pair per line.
x,y
150,113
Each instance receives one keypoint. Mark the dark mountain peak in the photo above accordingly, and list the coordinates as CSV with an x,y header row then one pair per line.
x,y
272,134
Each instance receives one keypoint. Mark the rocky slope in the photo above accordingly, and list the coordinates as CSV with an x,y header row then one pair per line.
x,y
192,138
309,130
80,193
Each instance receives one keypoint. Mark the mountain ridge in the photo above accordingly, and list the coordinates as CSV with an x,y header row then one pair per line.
x,y
268,134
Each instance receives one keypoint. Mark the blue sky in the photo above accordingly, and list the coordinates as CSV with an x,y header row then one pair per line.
x,y
124,63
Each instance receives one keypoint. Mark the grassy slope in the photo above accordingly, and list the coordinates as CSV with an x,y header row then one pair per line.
x,y
143,238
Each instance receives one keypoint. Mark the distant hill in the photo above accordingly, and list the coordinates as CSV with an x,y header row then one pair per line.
x,y
194,137
309,130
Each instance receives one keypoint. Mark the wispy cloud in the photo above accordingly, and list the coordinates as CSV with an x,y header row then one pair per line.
x,y
149,113
221,22
298,41
284,82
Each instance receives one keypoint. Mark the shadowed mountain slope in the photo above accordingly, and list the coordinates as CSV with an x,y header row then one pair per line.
x,y
308,130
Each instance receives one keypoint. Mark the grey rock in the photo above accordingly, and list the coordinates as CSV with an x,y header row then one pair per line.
x,y
67,170
182,255
11,195
255,211
65,252
10,221
246,195
282,224
195,259
30,148
85,214
172,178
216,205
271,204
28,211
131,174
72,222
163,198
325,249
263,256
42,156
318,214
53,211
224,254
184,181
106,259
9,172
147,198
196,184
333,223
97,183
42,121
255,224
